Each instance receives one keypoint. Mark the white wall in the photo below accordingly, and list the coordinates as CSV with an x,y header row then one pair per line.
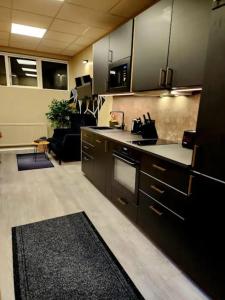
x,y
23,106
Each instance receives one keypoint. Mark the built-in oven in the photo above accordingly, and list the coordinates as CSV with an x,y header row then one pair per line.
x,y
119,75
126,166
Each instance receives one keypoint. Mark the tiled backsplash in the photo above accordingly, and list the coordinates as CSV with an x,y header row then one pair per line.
x,y
172,115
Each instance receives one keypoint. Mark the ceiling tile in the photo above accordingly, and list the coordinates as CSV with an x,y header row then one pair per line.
x,y
49,49
74,47
68,52
68,27
95,4
94,32
28,46
59,36
88,16
6,3
4,42
42,7
84,41
26,18
130,8
22,39
4,35
5,14
5,26
53,44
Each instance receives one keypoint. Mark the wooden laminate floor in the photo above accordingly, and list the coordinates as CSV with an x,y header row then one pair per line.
x,y
35,195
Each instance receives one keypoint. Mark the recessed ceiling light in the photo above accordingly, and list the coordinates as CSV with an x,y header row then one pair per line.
x,y
26,62
29,70
28,30
31,75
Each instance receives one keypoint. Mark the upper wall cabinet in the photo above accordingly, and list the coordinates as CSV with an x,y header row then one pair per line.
x,y
120,42
188,41
108,53
100,65
151,40
170,44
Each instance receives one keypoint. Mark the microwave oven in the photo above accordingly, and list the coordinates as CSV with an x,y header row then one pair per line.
x,y
119,76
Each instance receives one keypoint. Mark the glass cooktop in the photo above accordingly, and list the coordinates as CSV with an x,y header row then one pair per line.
x,y
149,142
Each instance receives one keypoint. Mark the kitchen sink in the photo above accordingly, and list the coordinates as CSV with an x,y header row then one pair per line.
x,y
101,127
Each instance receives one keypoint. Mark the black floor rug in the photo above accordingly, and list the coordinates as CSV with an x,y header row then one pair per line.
x,y
29,161
65,258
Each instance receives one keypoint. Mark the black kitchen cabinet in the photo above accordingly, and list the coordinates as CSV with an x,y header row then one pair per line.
x,y
188,42
97,161
120,42
151,40
100,65
87,154
110,51
210,140
170,44
100,161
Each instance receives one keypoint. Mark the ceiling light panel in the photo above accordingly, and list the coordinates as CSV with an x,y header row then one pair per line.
x,y
29,70
31,75
26,62
28,30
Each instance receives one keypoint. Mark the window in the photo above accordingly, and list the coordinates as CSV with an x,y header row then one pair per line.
x,y
2,71
23,71
54,75
29,71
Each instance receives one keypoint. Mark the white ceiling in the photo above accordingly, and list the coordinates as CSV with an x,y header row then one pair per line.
x,y
72,25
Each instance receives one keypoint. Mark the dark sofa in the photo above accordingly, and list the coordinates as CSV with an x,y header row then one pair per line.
x,y
66,142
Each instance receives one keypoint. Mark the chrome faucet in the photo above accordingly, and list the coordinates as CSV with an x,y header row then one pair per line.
x,y
122,123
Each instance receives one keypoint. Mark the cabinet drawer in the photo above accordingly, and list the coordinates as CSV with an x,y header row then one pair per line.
x,y
87,165
121,201
170,173
87,136
164,228
88,148
169,197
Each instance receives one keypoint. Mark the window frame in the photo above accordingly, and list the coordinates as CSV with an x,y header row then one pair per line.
x,y
38,59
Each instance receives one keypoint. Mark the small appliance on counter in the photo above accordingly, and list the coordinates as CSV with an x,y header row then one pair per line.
x,y
148,130
136,126
188,140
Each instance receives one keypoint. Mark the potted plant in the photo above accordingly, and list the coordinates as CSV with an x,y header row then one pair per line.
x,y
60,112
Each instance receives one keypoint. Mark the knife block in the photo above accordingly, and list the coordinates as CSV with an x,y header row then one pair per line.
x,y
149,131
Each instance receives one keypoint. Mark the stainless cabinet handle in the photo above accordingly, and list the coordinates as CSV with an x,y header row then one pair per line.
x,y
158,168
169,77
194,155
153,187
162,77
98,141
122,201
124,160
159,213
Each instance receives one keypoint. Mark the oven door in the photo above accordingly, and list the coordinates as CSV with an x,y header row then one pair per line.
x,y
125,176
119,76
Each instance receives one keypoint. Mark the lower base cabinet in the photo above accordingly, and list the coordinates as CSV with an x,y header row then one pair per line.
x,y
189,230
87,165
183,243
162,226
122,201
